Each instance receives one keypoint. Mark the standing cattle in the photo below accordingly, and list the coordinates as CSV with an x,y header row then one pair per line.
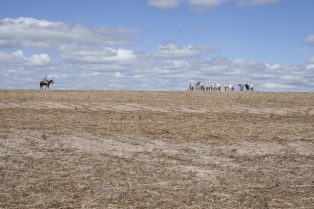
x,y
241,86
229,87
191,86
249,86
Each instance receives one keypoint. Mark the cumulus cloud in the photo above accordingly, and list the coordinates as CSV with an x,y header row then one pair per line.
x,y
266,77
311,63
201,5
204,4
87,70
276,86
40,59
175,51
18,70
310,40
95,55
88,56
118,75
273,66
310,66
164,4
198,4
256,2
34,33
179,64
244,62
18,58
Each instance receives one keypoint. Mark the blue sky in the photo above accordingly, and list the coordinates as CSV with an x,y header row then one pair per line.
x,y
157,44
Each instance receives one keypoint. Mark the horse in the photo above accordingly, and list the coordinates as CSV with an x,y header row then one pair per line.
x,y
45,83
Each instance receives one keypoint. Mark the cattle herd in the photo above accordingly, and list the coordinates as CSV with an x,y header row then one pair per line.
x,y
216,87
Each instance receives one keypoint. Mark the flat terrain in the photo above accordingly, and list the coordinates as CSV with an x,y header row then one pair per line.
x,y
111,149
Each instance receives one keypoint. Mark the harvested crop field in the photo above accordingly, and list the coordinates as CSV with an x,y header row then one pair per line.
x,y
115,149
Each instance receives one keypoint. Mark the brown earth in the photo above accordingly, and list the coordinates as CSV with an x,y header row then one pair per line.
x,y
111,149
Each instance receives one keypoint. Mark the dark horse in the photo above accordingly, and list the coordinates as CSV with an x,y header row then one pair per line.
x,y
45,83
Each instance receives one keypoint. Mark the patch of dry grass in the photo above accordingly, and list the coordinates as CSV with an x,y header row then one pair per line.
x,y
110,149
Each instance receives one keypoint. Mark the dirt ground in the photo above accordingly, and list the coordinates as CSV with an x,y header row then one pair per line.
x,y
119,149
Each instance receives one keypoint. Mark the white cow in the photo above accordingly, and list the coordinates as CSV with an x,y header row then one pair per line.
x,y
202,86
229,87
208,87
249,86
217,87
197,86
191,86
241,86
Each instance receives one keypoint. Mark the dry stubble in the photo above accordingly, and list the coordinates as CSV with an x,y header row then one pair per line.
x,y
107,149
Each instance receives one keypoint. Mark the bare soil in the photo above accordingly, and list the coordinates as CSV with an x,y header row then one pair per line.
x,y
115,149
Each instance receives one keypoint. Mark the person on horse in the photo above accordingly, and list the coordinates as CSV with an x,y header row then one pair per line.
x,y
45,80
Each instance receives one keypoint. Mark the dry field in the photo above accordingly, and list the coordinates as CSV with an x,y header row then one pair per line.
x,y
111,149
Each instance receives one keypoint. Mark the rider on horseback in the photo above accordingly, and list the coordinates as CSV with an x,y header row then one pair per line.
x,y
45,80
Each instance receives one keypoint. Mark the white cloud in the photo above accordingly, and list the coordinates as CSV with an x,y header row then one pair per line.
x,y
310,66
174,51
18,58
311,60
164,4
179,64
34,33
243,62
87,58
204,4
201,5
310,40
198,4
275,86
256,2
311,63
273,66
40,59
96,55
118,75
148,72
266,77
